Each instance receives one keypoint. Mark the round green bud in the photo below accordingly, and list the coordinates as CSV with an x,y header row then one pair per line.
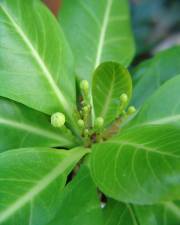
x,y
58,119
131,110
86,108
84,85
81,123
124,98
86,132
99,122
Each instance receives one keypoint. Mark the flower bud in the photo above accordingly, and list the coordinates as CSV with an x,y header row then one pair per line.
x,y
131,110
58,119
81,123
99,122
84,86
86,108
124,98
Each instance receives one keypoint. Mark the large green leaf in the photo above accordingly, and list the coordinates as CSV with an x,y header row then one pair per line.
x,y
35,61
162,214
23,127
97,31
110,80
31,180
151,74
79,202
142,164
117,213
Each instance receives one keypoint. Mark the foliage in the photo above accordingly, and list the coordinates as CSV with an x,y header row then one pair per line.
x,y
79,153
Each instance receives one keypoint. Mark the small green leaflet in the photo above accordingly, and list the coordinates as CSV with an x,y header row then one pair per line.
x,y
110,81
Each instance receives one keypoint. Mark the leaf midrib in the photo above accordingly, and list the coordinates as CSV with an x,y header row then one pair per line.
x,y
103,33
39,60
32,129
108,99
40,186
142,147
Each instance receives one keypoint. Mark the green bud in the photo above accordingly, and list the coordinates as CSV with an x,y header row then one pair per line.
x,y
81,123
99,122
124,98
131,110
58,119
86,108
84,86
86,132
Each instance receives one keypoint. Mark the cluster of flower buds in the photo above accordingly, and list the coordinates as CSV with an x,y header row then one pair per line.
x,y
89,132
123,104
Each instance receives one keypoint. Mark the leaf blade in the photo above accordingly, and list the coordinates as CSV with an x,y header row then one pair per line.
x,y
59,165
109,37
50,93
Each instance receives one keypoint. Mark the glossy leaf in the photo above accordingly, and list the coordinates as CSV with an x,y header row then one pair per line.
x,y
31,180
163,107
110,81
79,202
23,127
151,74
97,31
142,164
161,214
35,61
117,213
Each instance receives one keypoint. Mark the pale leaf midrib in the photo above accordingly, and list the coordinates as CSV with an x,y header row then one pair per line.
x,y
39,60
108,99
142,147
103,33
173,208
40,186
32,129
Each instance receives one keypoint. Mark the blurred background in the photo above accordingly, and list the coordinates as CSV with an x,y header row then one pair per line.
x,y
156,24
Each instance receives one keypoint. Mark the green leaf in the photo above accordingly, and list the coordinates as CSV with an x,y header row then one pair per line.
x,y
35,60
23,127
162,214
110,81
79,202
161,108
117,213
97,31
142,164
31,180
151,74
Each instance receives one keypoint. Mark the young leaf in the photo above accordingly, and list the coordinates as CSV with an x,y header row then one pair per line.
x,y
143,161
31,180
151,74
35,60
79,203
97,31
117,213
162,214
23,127
110,81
